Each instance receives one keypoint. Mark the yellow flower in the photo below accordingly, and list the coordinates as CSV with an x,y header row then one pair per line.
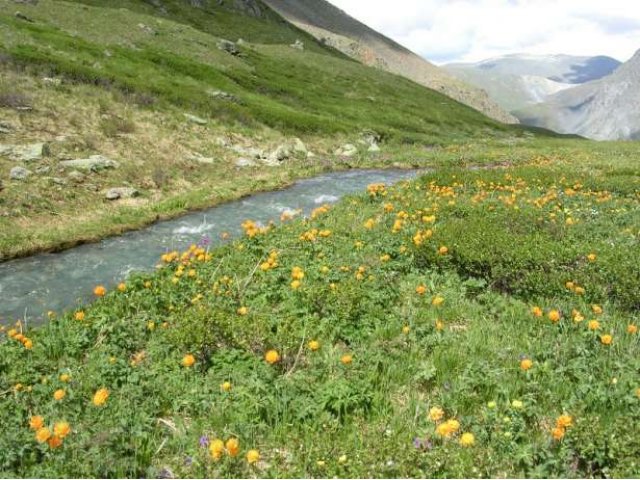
x,y
492,404
233,447
253,456
638,392
28,344
99,291
61,429
346,359
467,440
517,404
439,325
216,449
554,315
436,414
342,459
632,329
557,433
79,316
448,428
43,434
536,311
564,421
295,284
226,386
437,301
188,360
59,394
243,311
443,250
421,289
592,257
369,224
314,345
606,339
526,364
297,273
272,356
593,325
122,287
406,329
597,309
36,422
100,397
385,258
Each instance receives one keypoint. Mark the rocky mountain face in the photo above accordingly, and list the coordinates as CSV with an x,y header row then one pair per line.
x,y
604,109
520,80
337,29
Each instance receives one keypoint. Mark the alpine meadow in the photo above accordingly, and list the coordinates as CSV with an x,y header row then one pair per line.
x,y
474,314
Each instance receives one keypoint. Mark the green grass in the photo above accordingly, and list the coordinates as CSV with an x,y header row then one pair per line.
x,y
309,415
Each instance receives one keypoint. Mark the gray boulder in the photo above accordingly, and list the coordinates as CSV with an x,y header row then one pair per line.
x,y
244,162
347,150
19,173
195,119
229,47
121,192
300,147
225,96
298,45
279,155
94,163
43,170
25,153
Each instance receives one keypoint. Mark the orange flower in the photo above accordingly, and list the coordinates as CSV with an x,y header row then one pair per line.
x,y
557,433
272,356
61,429
99,291
564,421
59,394
79,316
36,422
593,325
632,329
421,289
554,315
526,364
536,311
188,360
54,442
233,447
346,359
448,428
122,287
100,397
43,434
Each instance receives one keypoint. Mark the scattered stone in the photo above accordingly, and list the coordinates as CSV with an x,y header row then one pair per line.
x,y
19,173
43,170
195,119
244,162
201,159
241,42
56,82
226,96
300,147
222,142
59,181
25,153
251,152
94,163
280,154
121,192
229,47
146,28
347,150
21,16
298,45
76,176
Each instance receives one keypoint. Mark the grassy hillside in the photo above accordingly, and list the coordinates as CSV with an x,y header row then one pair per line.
x,y
117,81
468,324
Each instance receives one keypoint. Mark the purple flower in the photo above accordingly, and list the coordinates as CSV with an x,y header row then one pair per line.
x,y
422,444
205,241
204,441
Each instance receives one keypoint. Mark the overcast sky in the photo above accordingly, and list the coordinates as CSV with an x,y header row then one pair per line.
x,y
470,30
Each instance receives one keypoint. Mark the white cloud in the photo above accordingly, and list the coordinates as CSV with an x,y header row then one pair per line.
x,y
472,30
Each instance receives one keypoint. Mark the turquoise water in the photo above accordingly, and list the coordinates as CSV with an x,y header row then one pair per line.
x,y
31,286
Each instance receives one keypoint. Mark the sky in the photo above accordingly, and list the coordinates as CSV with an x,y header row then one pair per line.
x,y
446,31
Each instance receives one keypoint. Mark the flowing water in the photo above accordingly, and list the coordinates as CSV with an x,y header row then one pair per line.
x,y
31,286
